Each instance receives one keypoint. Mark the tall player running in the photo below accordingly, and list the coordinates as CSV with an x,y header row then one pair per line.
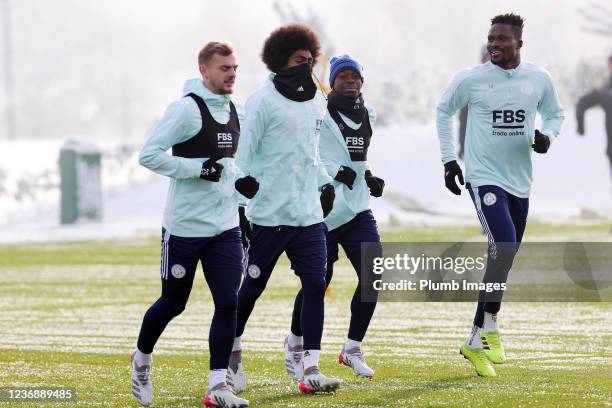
x,y
503,96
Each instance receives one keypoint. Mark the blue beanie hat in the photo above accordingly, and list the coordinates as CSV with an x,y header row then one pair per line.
x,y
341,63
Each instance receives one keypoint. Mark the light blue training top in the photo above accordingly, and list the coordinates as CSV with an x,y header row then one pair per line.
x,y
502,106
194,207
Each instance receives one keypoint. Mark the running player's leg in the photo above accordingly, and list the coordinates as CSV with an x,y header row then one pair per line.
x,y
332,257
178,264
362,229
294,342
493,205
518,209
179,260
489,332
222,264
493,208
266,245
307,253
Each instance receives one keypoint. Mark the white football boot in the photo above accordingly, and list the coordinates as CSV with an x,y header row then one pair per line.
x,y
294,362
142,388
355,359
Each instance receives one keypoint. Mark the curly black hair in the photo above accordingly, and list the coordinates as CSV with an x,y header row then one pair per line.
x,y
513,20
286,40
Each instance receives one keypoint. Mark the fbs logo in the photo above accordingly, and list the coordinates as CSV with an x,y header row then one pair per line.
x,y
508,119
354,141
224,140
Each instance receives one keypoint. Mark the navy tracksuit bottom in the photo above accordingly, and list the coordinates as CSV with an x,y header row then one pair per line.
x,y
351,235
221,258
503,217
305,248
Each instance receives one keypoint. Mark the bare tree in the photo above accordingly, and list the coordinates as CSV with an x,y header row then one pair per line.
x,y
598,16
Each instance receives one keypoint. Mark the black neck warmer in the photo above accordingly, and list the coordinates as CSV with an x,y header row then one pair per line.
x,y
352,108
296,83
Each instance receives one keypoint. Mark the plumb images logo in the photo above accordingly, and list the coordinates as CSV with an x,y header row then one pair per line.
x,y
467,271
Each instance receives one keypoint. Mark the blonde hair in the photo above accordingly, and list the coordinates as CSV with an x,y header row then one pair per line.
x,y
213,48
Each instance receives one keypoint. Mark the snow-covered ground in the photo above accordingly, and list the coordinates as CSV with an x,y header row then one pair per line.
x,y
571,183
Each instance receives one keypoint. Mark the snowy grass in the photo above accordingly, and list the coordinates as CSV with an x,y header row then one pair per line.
x,y
72,311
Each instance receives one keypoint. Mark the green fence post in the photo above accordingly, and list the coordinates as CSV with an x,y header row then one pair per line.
x,y
81,186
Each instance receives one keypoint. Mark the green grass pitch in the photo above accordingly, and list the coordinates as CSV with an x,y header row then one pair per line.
x,y
71,314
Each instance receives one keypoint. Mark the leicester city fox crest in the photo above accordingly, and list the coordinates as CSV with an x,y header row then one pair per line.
x,y
489,199
178,271
254,271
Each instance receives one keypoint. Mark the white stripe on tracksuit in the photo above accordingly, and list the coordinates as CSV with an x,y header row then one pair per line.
x,y
245,260
483,221
165,250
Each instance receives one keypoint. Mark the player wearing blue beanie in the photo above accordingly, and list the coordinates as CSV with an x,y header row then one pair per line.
x,y
344,142
341,63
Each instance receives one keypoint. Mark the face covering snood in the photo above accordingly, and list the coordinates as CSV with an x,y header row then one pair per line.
x,y
296,83
353,108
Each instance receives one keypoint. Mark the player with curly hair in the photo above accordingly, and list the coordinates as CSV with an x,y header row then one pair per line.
x,y
279,152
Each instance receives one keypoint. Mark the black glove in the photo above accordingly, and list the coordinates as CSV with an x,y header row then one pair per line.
x,y
375,184
245,228
452,170
247,186
541,142
328,194
346,175
211,170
